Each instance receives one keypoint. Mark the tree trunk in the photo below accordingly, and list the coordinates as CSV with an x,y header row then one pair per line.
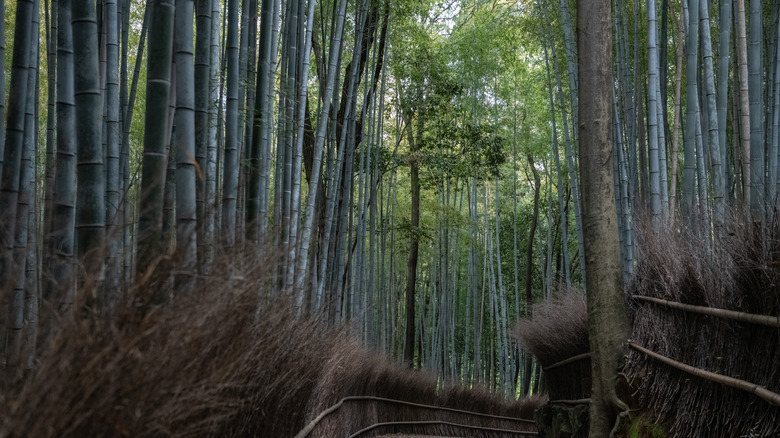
x,y
607,321
529,267
411,265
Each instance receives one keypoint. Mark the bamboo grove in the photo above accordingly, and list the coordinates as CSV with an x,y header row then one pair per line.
x,y
410,167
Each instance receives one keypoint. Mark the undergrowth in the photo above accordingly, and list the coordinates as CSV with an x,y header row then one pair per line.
x,y
233,357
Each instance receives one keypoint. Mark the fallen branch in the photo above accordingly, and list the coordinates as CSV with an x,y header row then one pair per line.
x,y
759,391
767,320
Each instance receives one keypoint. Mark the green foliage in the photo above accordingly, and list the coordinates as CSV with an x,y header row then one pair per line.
x,y
643,426
461,152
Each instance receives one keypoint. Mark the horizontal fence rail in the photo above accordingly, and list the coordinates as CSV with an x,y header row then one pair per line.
x,y
766,320
759,391
578,401
567,361
440,423
312,424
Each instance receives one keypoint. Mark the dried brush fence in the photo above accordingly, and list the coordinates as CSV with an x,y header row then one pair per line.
x,y
705,347
222,362
397,416
557,335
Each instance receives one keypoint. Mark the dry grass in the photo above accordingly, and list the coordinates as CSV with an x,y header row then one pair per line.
x,y
558,330
742,274
210,364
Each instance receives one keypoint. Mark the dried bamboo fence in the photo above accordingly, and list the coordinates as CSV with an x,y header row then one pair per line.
x,y
704,353
423,418
557,336
226,363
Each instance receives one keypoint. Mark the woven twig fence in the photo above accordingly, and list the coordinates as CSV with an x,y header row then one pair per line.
x,y
441,423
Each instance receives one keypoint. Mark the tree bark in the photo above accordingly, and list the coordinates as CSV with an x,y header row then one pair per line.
x,y
414,245
607,321
529,266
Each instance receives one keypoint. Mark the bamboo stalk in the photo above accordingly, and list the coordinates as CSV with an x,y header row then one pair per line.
x,y
770,397
568,361
767,320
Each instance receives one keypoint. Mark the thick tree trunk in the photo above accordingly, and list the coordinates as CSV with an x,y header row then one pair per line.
x,y
607,321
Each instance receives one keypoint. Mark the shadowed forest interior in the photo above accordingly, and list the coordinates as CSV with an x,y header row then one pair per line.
x,y
224,217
